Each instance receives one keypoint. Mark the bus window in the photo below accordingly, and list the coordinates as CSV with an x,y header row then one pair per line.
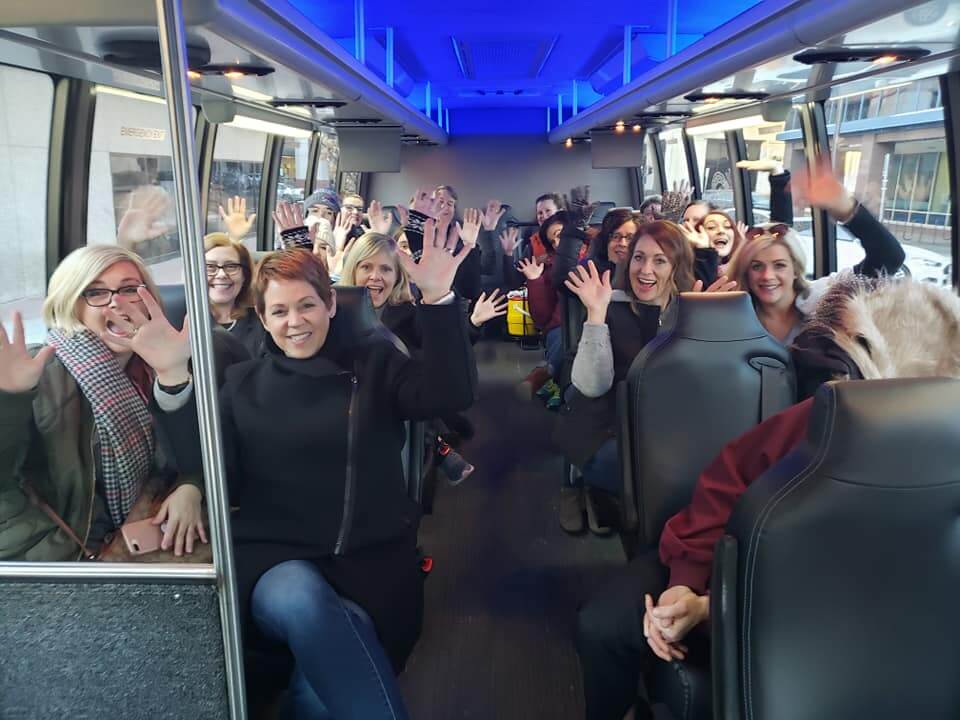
x,y
132,200
651,179
765,142
713,166
293,169
329,160
889,149
674,158
236,172
24,151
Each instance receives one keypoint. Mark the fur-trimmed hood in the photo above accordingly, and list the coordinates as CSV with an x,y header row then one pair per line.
x,y
882,329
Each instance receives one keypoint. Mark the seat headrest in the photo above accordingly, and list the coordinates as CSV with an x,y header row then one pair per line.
x,y
717,317
174,301
904,427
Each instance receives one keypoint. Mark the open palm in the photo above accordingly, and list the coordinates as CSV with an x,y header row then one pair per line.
x,y
19,370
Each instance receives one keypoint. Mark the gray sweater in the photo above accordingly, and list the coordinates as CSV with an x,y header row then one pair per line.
x,y
592,372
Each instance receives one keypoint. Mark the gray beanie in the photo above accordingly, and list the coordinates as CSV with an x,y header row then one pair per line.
x,y
323,196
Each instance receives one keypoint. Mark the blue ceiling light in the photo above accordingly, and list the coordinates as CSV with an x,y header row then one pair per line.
x,y
467,74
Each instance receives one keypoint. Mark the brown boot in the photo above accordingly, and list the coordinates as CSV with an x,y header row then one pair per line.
x,y
572,509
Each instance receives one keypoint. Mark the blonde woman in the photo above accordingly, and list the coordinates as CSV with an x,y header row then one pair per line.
x,y
77,443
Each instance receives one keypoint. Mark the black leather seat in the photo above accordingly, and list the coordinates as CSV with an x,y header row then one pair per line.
x,y
711,374
835,591
702,382
174,302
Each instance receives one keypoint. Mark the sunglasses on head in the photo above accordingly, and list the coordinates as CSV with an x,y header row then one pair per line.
x,y
778,230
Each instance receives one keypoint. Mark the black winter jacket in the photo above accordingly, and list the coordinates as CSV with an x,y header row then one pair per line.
x,y
313,455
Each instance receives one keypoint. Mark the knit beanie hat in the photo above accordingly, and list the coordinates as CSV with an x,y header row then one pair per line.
x,y
323,196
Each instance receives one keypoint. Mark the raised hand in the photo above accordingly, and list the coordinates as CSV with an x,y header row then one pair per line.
x,y
470,229
593,290
662,648
183,514
341,230
742,230
424,202
721,285
774,167
681,187
579,206
491,216
235,219
488,308
820,188
404,214
141,222
698,238
509,239
19,371
434,274
288,216
380,221
151,336
530,268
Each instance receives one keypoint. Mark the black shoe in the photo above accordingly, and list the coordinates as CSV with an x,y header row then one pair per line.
x,y
571,509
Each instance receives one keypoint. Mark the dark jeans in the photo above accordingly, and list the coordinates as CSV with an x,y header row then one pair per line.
x,y
602,471
553,339
341,669
614,656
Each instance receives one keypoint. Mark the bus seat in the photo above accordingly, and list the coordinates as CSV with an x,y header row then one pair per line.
x,y
174,301
834,589
695,387
600,211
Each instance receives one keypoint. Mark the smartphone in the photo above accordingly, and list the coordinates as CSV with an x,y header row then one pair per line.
x,y
142,536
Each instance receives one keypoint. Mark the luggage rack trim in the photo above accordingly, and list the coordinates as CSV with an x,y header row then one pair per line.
x,y
70,572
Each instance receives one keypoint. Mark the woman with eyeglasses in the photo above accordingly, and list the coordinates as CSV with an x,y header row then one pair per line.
x,y
229,277
77,444
771,265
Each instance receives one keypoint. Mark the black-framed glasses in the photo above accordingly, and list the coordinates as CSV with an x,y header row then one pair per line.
x,y
620,237
230,268
101,297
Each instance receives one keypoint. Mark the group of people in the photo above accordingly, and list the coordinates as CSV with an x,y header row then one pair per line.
x,y
329,569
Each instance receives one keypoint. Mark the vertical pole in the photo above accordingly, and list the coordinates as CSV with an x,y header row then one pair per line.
x,y
390,51
627,53
177,90
446,120
359,32
428,103
576,99
439,111
549,128
671,28
559,109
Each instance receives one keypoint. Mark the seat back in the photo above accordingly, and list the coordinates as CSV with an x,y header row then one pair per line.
x,y
844,561
174,301
695,387
600,211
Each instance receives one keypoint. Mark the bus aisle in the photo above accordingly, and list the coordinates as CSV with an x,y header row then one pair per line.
x,y
501,601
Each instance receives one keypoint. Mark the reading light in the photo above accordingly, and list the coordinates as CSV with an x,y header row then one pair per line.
x,y
236,70
875,55
619,127
637,128
568,143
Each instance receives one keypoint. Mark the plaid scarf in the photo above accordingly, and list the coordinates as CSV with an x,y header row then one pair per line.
x,y
123,425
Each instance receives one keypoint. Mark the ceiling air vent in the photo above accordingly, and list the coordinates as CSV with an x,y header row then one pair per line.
x,y
876,55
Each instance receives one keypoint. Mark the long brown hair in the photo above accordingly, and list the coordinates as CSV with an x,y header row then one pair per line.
x,y
738,239
674,245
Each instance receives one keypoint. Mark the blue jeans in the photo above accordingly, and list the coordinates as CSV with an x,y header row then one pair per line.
x,y
602,471
341,669
553,339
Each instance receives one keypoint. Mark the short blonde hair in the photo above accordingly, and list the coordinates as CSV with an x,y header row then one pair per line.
x,y
365,247
61,309
244,300
745,254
